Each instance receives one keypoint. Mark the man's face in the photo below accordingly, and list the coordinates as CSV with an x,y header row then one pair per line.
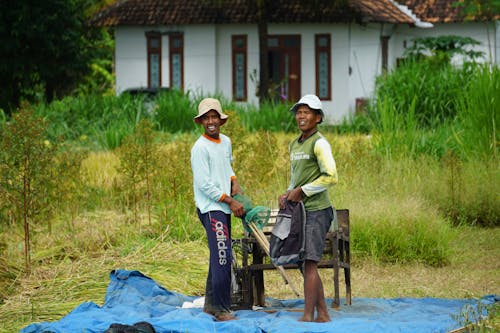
x,y
211,122
307,119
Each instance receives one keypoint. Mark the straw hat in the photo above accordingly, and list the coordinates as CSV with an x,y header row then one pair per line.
x,y
208,104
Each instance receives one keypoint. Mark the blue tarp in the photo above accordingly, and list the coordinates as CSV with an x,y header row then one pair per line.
x,y
132,297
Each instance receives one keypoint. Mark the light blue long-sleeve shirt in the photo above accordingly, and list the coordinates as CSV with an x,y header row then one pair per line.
x,y
211,162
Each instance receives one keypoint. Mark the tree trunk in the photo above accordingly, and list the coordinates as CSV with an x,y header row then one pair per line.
x,y
263,89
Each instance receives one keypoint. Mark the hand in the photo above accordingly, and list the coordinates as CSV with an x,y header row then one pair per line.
x,y
295,195
237,208
281,201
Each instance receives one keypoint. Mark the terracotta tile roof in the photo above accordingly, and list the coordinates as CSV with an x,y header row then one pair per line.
x,y
380,11
162,12
435,11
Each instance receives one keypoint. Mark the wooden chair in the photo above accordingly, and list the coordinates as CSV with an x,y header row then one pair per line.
x,y
250,276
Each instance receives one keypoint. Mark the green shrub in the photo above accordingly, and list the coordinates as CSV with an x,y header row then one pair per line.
x,y
174,112
431,88
27,175
476,131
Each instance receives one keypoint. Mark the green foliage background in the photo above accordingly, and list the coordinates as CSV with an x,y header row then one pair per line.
x,y
49,51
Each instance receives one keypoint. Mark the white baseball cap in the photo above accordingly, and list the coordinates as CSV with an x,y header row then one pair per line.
x,y
312,101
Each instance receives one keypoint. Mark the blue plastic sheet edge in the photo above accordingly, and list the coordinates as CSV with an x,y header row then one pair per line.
x,y
132,297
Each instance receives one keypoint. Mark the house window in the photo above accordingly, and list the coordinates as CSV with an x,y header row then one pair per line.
x,y
323,66
154,59
384,40
239,46
176,56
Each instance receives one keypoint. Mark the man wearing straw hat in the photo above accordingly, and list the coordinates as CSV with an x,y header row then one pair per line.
x,y
215,184
313,169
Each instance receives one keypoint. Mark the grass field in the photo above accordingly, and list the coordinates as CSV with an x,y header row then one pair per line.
x,y
404,241
65,277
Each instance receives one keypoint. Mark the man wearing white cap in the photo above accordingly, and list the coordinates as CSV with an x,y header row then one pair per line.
x,y
313,170
214,183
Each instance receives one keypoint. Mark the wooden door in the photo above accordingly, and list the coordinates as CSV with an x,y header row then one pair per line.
x,y
284,67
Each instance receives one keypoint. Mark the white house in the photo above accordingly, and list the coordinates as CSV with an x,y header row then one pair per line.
x,y
335,52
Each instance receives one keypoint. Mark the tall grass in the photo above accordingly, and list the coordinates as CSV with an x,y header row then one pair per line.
x,y
476,128
102,122
173,112
463,135
95,121
398,131
389,202
421,109
431,86
270,116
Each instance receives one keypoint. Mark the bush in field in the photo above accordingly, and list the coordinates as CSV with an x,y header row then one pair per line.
x,y
392,236
138,162
98,121
70,191
173,112
466,192
269,116
175,206
102,122
432,89
26,173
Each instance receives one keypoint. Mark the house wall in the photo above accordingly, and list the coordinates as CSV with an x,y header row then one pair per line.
x,y
200,61
358,50
131,67
497,42
365,60
355,55
208,62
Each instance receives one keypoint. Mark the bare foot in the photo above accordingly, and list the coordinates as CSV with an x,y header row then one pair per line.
x,y
322,319
306,318
225,317
322,316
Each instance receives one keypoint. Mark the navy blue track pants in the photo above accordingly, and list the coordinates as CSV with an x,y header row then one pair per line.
x,y
217,226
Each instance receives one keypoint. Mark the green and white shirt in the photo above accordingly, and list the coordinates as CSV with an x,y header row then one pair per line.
x,y
313,168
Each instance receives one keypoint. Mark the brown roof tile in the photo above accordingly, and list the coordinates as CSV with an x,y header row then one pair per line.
x,y
435,11
381,11
163,12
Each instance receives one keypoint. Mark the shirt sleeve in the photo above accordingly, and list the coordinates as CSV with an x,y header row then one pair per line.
x,y
201,174
327,167
291,184
233,175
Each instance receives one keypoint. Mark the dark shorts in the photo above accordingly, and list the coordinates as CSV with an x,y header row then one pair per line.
x,y
317,225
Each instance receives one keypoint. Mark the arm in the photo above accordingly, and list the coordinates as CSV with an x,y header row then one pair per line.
x,y
235,187
235,206
327,167
284,196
